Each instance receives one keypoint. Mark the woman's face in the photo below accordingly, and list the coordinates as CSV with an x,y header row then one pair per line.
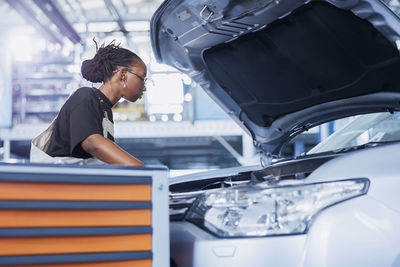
x,y
135,82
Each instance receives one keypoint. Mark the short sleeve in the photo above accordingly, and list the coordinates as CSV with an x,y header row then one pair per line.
x,y
85,120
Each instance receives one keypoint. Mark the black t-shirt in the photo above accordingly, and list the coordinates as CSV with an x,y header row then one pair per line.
x,y
87,111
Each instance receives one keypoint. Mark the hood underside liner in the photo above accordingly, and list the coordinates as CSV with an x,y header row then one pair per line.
x,y
317,54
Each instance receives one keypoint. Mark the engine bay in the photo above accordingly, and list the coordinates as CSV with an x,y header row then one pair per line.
x,y
185,193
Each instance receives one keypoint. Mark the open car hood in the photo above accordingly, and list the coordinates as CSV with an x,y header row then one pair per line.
x,y
280,67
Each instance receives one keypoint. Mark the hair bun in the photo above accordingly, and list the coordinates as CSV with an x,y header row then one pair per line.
x,y
91,72
107,59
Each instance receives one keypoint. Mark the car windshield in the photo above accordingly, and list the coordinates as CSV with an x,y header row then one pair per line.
x,y
362,130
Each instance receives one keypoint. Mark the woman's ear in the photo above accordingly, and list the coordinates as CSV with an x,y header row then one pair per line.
x,y
123,75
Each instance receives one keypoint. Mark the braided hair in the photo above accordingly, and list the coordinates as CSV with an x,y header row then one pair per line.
x,y
107,59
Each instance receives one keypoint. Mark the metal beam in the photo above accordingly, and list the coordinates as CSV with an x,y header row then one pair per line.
x,y
28,14
123,4
52,12
115,14
230,149
118,18
78,13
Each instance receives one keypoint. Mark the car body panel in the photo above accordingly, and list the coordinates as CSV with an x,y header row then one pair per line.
x,y
356,238
191,246
359,232
379,164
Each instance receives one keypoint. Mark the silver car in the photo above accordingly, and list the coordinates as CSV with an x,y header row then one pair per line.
x,y
279,68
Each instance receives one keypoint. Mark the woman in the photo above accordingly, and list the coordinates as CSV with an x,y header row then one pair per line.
x,y
84,126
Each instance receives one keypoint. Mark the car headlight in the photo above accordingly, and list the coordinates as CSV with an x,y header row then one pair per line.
x,y
262,210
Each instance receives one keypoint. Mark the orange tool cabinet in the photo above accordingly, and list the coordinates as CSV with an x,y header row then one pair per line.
x,y
72,215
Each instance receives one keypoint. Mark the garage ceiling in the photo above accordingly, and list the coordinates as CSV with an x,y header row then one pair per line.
x,y
61,21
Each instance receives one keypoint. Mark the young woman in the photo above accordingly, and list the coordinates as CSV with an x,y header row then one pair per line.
x,y
84,127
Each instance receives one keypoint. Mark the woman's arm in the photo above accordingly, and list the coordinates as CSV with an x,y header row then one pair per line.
x,y
106,150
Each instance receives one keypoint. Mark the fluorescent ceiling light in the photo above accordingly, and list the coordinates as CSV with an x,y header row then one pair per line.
x,y
92,4
102,26
137,26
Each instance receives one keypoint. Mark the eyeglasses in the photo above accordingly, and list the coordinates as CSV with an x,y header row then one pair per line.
x,y
144,79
